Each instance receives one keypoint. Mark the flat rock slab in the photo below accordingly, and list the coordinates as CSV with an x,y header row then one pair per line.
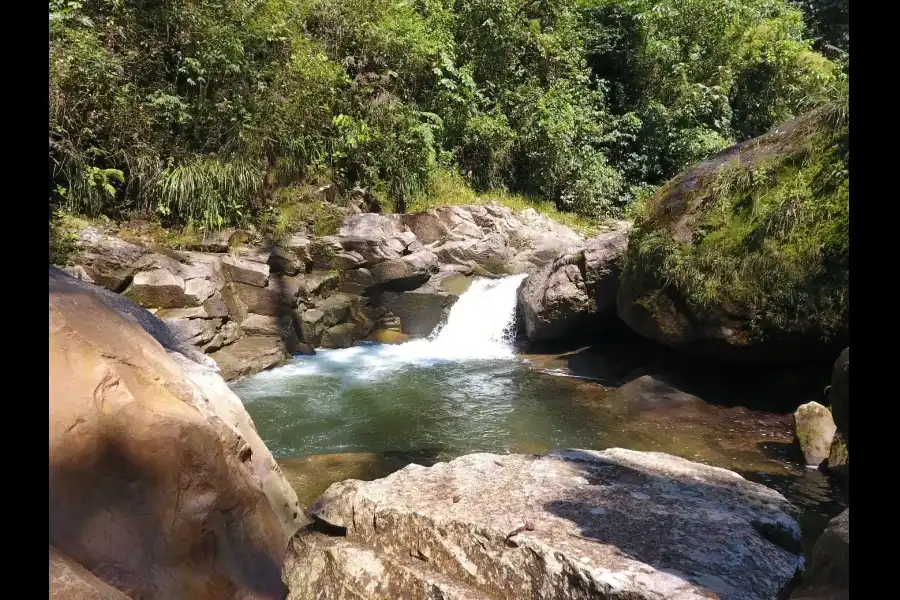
x,y
576,524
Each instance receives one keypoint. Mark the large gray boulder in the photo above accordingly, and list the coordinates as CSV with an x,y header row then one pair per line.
x,y
422,310
574,524
251,354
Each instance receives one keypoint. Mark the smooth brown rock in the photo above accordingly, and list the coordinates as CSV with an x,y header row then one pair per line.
x,y
159,484
575,524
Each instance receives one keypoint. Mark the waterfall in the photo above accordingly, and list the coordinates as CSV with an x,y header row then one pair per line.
x,y
482,322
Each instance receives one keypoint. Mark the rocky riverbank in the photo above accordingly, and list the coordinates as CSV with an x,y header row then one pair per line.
x,y
251,306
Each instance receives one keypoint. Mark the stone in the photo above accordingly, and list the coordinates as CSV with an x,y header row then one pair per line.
x,y
828,575
420,311
310,324
108,261
159,288
490,252
554,302
153,459
840,394
355,281
270,300
266,325
508,527
241,270
228,334
251,354
285,262
300,245
814,429
604,255
194,331
215,306
338,336
199,290
317,284
194,312
71,581
838,455
408,272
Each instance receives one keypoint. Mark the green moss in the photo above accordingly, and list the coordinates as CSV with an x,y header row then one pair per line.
x,y
295,208
768,229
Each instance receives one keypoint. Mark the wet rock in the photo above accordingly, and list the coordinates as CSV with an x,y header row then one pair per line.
x,y
572,524
814,429
421,310
250,354
388,336
840,394
152,459
241,270
828,575
336,308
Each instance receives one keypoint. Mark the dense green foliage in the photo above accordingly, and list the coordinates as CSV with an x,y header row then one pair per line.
x,y
769,228
203,112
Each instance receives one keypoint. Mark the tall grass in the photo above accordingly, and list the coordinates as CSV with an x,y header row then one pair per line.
x,y
210,192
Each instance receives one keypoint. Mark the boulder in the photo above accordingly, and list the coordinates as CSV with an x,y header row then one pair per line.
x,y
300,246
285,262
228,334
573,524
421,310
355,281
241,270
251,354
814,430
490,252
310,324
840,394
339,336
317,284
709,273
408,272
388,336
106,260
828,575
604,255
273,300
196,332
554,302
71,581
336,308
159,484
159,288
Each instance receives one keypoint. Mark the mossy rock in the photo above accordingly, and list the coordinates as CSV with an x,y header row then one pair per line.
x,y
745,256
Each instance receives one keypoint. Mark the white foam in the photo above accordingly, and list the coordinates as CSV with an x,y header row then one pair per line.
x,y
480,326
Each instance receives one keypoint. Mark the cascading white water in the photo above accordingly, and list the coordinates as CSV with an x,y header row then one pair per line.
x,y
482,322
480,326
